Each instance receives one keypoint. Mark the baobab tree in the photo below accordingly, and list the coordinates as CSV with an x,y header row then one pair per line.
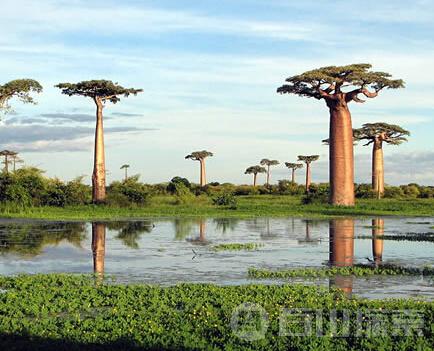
x,y
327,83
268,163
125,167
293,167
377,134
101,92
7,154
308,160
19,88
200,156
255,170
15,160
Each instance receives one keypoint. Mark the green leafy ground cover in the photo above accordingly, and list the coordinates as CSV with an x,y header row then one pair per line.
x,y
64,312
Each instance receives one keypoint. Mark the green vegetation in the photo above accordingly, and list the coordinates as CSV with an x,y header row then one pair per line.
x,y
428,237
237,247
53,312
356,270
202,206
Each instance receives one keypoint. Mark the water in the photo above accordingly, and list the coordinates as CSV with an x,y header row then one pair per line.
x,y
168,251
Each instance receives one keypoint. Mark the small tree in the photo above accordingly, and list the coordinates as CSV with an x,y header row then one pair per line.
x,y
101,92
377,134
268,163
7,154
125,167
255,170
328,84
15,160
308,160
293,167
19,88
200,156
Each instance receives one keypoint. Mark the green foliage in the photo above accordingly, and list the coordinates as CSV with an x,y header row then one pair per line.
x,y
246,190
356,270
183,195
237,247
388,133
19,88
54,312
131,190
393,192
318,194
171,187
226,199
365,191
267,162
410,190
308,159
255,170
286,187
97,89
54,194
199,155
77,193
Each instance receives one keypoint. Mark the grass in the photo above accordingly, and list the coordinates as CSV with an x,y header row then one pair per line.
x,y
236,247
248,207
64,312
356,270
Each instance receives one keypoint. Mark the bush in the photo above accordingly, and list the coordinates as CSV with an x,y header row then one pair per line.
x,y
365,191
393,192
136,192
171,187
410,190
183,195
286,187
245,190
54,194
77,193
226,199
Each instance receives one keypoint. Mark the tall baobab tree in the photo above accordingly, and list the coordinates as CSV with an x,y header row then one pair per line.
x,y
327,83
200,156
308,160
255,170
7,154
19,88
268,163
377,134
125,167
293,167
101,92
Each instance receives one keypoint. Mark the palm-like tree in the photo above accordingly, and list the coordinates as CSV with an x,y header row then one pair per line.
x,y
7,154
255,170
268,163
125,167
293,167
15,160
200,156
377,134
308,160
101,92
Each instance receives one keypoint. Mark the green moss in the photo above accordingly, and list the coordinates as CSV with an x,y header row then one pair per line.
x,y
356,270
236,247
53,312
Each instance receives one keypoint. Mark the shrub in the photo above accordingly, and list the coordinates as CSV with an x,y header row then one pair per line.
x,y
365,191
183,195
54,194
136,192
245,190
286,187
393,192
226,199
77,193
410,190
171,187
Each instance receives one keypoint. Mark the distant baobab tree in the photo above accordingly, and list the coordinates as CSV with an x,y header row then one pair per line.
x,y
377,134
7,154
125,167
15,160
101,92
19,88
308,160
200,156
326,83
255,170
268,163
293,167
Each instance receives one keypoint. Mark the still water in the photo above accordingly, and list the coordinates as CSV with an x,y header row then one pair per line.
x,y
168,251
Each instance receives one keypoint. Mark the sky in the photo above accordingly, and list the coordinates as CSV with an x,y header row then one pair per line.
x,y
209,71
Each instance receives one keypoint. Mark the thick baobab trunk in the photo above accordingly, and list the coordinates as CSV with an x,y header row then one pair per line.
x,y
308,177
98,176
342,251
268,175
341,156
293,176
378,168
202,173
255,175
377,244
98,247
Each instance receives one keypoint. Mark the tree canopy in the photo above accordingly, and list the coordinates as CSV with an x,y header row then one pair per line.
x,y
389,133
19,88
267,162
255,170
199,155
104,90
291,165
327,82
308,159
125,166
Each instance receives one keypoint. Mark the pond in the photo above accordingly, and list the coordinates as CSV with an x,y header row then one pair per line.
x,y
169,251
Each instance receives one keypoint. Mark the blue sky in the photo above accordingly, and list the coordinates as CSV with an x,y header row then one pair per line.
x,y
209,70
